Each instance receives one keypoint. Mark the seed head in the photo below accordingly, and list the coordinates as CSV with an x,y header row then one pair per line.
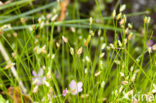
x,y
99,32
114,14
97,73
64,39
72,51
119,16
154,47
102,84
130,25
147,19
122,8
102,55
79,52
130,36
90,21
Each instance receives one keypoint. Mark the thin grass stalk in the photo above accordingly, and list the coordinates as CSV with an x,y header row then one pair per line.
x,y
13,69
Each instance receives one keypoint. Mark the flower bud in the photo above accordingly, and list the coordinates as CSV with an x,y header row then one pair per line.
x,y
122,8
72,51
114,14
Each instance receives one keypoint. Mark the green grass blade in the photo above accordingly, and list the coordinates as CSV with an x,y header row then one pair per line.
x,y
5,6
28,13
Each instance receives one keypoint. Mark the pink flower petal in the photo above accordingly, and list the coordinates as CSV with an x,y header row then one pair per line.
x,y
40,73
79,84
34,73
80,89
65,92
72,84
74,93
149,43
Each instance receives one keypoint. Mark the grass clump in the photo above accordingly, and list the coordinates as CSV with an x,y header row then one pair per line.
x,y
74,60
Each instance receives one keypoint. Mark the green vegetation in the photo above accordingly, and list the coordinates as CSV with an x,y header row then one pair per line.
x,y
91,60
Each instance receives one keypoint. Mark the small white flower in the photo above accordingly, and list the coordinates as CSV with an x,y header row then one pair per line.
x,y
127,30
119,42
102,84
114,13
125,41
130,36
30,28
46,83
97,73
54,17
119,16
154,47
35,89
87,59
147,19
117,62
130,25
64,39
42,24
120,89
112,46
92,33
90,21
154,90
103,46
149,49
73,29
75,87
122,8
79,52
84,95
53,56
122,74
72,51
102,55
99,32
86,71
124,82
126,96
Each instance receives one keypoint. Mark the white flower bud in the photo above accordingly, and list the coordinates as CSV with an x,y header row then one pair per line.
x,y
102,84
90,21
53,56
119,16
154,47
72,51
114,14
97,74
130,26
99,32
64,39
119,42
35,89
130,36
54,17
102,55
103,46
87,59
79,52
122,8
147,19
